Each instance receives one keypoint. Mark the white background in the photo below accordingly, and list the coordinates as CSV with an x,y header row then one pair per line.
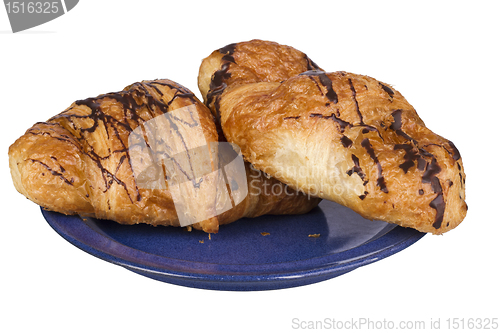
x,y
442,56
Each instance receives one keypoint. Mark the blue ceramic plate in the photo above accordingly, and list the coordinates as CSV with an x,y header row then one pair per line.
x,y
269,252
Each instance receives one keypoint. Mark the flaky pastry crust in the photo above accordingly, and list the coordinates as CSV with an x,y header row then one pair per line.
x,y
248,62
340,136
78,162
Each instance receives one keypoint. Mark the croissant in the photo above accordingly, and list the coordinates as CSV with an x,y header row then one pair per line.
x,y
248,62
340,136
147,154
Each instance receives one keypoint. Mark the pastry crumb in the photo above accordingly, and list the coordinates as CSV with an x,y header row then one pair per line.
x,y
209,237
265,233
314,235
189,228
201,241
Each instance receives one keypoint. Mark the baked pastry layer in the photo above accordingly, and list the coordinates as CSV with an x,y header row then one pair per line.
x,y
248,62
339,136
80,162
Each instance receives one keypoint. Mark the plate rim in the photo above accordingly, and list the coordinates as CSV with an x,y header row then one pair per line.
x,y
181,272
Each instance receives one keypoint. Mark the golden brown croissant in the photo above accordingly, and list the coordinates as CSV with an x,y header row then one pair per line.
x,y
98,158
341,136
248,62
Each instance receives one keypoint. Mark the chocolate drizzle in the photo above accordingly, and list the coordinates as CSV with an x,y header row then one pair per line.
x,y
456,154
388,90
412,154
460,174
311,65
430,170
363,196
397,125
228,49
37,131
137,99
54,172
218,82
357,169
380,180
439,205
346,142
325,82
356,101
218,85
342,124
